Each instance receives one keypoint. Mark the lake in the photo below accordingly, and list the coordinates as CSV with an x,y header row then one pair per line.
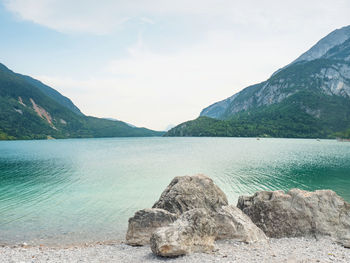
x,y
84,190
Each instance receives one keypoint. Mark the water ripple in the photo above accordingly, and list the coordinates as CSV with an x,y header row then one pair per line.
x,y
85,190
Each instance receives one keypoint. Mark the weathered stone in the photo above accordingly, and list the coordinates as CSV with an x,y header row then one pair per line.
x,y
299,213
194,231
144,223
232,223
188,192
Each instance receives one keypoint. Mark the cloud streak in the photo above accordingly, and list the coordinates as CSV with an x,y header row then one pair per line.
x,y
102,17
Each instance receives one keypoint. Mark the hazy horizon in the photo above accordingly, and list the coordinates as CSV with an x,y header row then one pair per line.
x,y
158,63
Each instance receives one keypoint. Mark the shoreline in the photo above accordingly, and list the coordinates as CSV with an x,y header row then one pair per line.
x,y
274,250
57,245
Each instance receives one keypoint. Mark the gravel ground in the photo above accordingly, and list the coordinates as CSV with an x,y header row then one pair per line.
x,y
275,250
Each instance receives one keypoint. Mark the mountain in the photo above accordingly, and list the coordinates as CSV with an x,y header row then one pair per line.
x,y
30,109
53,94
113,119
333,39
308,98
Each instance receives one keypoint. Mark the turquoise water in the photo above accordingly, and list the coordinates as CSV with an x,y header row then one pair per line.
x,y
83,190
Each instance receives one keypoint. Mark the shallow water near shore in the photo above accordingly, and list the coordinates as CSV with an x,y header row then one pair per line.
x,y
84,190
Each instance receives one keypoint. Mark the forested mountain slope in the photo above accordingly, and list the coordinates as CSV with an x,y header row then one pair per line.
x,y
30,109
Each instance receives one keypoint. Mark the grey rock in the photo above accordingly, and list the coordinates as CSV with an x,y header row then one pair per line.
x,y
333,39
194,231
188,192
218,109
299,213
232,223
144,223
197,229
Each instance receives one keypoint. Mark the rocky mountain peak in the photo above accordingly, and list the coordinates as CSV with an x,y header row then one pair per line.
x,y
333,39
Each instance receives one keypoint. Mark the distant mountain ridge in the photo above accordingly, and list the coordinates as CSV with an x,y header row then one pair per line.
x,y
315,88
30,109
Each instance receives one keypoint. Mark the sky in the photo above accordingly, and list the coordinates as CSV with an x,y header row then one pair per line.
x,y
155,63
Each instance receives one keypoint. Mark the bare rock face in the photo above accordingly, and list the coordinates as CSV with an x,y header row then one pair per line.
x,y
232,223
144,223
194,231
299,213
188,192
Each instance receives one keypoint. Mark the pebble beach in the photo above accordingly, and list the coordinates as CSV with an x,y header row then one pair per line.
x,y
274,250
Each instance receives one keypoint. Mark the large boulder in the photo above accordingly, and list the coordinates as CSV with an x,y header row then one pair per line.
x,y
232,223
144,223
188,192
194,231
299,213
197,229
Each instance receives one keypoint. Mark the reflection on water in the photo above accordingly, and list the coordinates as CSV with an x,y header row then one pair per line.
x,y
82,190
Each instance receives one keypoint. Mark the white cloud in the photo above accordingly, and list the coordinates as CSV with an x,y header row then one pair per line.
x,y
150,89
101,17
